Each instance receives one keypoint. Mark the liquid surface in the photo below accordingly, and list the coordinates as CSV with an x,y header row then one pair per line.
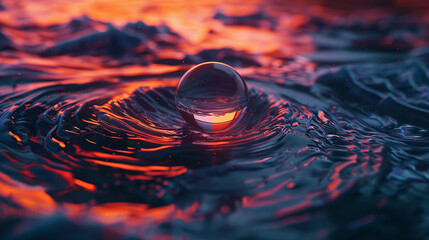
x,y
211,96
333,143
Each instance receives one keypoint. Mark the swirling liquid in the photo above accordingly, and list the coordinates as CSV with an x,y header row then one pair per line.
x,y
332,144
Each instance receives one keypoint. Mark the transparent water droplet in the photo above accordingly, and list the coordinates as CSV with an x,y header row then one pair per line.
x,y
211,96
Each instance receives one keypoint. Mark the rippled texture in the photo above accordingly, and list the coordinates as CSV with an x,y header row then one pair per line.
x,y
333,144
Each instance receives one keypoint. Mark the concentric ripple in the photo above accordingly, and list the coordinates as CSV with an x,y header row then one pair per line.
x,y
136,148
333,143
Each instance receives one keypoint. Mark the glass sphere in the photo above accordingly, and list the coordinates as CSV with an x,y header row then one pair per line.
x,y
211,96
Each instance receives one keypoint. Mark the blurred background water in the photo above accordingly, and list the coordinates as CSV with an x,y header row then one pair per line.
x,y
334,142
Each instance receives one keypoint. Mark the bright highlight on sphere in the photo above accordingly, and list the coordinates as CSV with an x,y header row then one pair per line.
x,y
211,96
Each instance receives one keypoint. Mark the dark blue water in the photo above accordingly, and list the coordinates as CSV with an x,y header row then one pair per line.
x,y
333,144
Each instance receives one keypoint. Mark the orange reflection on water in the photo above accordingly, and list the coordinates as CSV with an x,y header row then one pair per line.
x,y
30,198
194,22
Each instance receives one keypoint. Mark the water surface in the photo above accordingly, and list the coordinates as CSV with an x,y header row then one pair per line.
x,y
334,142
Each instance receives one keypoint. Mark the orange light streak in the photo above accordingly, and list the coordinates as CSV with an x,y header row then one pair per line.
x,y
88,186
59,142
15,136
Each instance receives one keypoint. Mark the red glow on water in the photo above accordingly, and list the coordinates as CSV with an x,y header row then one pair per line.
x,y
322,116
